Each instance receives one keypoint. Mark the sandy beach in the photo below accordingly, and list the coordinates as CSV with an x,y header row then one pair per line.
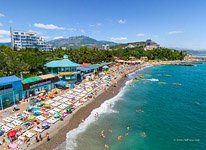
x,y
58,135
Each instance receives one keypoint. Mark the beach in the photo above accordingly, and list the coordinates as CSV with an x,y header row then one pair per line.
x,y
59,135
100,90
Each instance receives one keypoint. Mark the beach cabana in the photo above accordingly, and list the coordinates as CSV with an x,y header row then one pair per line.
x,y
65,68
11,91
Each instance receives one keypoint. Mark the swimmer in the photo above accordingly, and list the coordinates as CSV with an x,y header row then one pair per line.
x,y
126,134
120,137
110,130
143,134
128,128
106,146
139,110
83,120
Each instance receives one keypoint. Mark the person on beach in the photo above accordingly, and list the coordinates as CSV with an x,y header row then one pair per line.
x,y
47,137
37,138
106,146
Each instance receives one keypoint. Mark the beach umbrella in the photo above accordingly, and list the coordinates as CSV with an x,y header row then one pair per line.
x,y
15,105
1,132
47,105
13,145
44,124
37,113
29,107
68,108
39,104
31,117
56,114
11,133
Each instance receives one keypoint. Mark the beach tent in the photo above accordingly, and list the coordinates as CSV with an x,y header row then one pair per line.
x,y
61,83
11,133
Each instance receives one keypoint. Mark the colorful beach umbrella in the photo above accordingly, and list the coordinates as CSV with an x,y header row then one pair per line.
x,y
13,145
56,114
11,133
31,117
68,108
47,105
44,124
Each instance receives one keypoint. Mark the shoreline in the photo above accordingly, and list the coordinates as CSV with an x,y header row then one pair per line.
x,y
59,135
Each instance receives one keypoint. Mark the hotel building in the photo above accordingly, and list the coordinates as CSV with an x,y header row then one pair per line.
x,y
23,40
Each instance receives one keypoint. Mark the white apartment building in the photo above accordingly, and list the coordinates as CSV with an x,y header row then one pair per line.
x,y
23,40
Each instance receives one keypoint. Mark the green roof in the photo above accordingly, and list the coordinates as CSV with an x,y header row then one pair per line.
x,y
95,66
31,79
61,63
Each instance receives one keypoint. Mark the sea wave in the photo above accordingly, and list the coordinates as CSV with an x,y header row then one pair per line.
x,y
106,107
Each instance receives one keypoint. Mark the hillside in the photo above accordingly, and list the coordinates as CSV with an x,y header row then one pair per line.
x,y
79,41
6,44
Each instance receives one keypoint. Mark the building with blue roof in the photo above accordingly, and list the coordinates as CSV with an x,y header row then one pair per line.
x,y
11,91
65,68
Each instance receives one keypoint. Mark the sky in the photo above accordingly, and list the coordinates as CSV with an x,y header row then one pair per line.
x,y
171,23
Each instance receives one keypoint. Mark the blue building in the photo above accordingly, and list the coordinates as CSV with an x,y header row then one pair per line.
x,y
66,69
10,91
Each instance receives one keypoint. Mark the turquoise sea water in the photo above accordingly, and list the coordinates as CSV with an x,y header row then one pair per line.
x,y
169,116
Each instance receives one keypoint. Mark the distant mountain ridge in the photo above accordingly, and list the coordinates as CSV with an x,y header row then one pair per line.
x,y
6,44
79,41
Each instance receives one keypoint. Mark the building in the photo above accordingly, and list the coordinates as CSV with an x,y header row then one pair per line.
x,y
150,45
105,47
66,69
35,85
10,91
23,40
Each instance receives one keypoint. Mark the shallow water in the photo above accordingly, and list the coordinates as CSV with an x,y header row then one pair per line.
x,y
170,116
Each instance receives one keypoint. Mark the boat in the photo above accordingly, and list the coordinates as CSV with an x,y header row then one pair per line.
x,y
141,76
153,79
162,82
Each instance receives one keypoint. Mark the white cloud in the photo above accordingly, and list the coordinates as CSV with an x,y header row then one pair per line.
x,y
5,40
121,21
58,37
10,21
95,25
2,15
72,29
37,32
48,26
141,34
82,30
118,38
45,37
175,32
4,32
1,24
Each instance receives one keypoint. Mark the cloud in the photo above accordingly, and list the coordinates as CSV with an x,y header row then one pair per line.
x,y
141,34
4,36
5,40
58,37
2,15
45,37
37,32
175,32
48,26
1,24
118,38
82,30
95,25
72,29
4,32
121,21
10,21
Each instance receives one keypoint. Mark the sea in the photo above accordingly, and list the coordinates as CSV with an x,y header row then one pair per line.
x,y
163,110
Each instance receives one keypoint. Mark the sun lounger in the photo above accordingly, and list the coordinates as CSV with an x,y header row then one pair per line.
x,y
62,106
56,109
57,98
5,128
49,102
41,118
52,111
11,125
64,100
28,134
38,130
8,119
1,124
68,103
55,104
52,120
26,112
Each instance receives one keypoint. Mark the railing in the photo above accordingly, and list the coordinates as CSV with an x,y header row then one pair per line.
x,y
6,91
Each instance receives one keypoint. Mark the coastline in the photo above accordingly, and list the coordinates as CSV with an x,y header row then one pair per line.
x,y
59,131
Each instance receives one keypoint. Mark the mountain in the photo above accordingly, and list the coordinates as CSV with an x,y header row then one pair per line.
x,y
79,41
6,44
